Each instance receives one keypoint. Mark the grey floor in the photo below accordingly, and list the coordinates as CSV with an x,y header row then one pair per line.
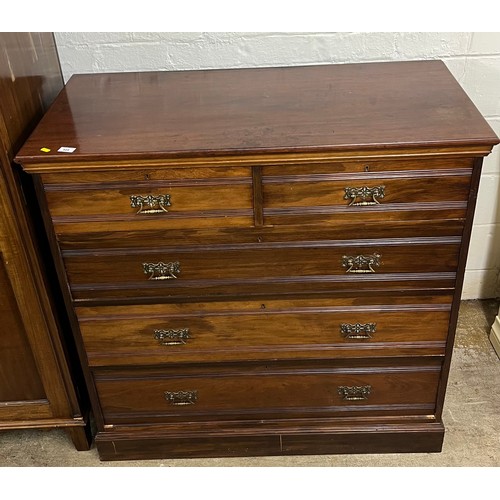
x,y
471,417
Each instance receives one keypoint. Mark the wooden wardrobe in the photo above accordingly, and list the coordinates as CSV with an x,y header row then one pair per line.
x,y
39,380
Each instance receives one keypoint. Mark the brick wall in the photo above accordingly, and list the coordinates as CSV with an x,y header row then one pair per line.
x,y
473,58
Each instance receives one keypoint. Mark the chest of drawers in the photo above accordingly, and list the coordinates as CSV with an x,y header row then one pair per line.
x,y
262,261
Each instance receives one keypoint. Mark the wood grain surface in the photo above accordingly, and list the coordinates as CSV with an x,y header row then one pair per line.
x,y
267,391
258,163
264,330
37,375
292,109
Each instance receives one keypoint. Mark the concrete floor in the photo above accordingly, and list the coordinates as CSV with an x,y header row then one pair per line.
x,y
471,417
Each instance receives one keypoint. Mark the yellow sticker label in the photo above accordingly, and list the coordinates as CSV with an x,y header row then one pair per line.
x,y
45,150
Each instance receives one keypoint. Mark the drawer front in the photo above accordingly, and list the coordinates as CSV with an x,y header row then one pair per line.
x,y
151,200
233,331
261,392
391,191
190,271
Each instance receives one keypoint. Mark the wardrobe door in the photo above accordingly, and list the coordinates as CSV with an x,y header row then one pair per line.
x,y
40,384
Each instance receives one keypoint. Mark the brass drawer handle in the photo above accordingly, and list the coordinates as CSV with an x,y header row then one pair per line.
x,y
156,204
358,330
354,393
361,263
162,270
181,398
172,337
363,194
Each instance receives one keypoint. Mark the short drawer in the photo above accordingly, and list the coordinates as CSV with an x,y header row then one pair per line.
x,y
258,268
367,192
265,330
150,199
253,392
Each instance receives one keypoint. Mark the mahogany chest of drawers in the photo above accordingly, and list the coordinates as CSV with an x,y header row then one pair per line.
x,y
262,261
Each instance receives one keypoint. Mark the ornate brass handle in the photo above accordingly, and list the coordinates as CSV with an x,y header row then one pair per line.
x,y
172,337
181,398
358,330
354,393
162,270
156,203
361,263
364,194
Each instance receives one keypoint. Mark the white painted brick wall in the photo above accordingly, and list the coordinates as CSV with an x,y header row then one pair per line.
x,y
91,52
473,58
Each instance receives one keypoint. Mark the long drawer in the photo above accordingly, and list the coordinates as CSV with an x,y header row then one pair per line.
x,y
264,330
236,269
267,391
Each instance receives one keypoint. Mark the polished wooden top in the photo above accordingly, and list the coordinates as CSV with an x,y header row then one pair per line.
x,y
260,110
